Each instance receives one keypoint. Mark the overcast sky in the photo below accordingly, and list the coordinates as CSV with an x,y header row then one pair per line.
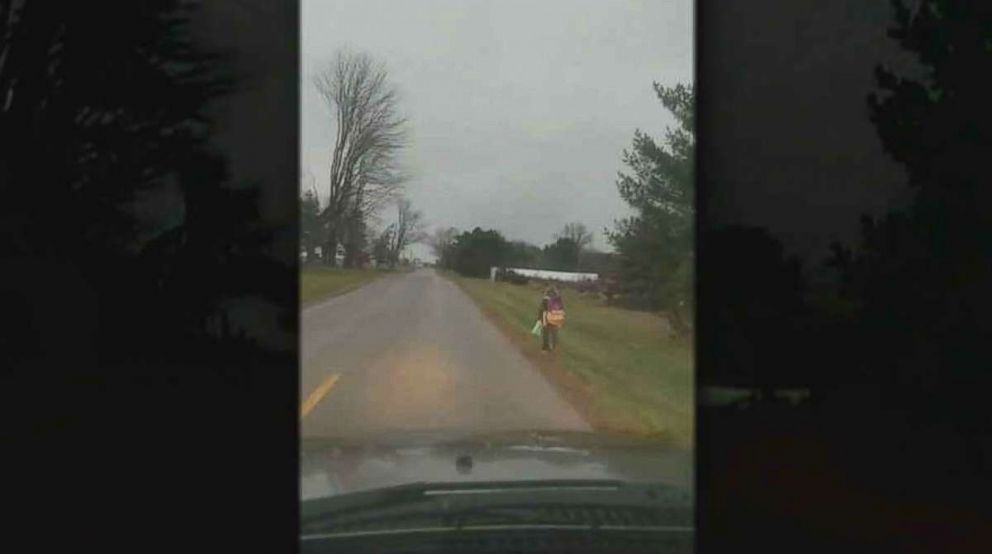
x,y
519,110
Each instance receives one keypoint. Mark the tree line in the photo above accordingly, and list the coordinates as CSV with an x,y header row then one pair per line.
x,y
473,253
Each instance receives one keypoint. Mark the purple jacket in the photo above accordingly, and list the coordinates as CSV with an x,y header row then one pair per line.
x,y
546,305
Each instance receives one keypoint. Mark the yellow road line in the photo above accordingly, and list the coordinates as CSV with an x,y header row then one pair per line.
x,y
318,394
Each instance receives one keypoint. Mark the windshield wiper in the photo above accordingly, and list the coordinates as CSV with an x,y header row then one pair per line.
x,y
559,504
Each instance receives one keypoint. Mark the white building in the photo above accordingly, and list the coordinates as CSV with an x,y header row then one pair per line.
x,y
567,276
317,251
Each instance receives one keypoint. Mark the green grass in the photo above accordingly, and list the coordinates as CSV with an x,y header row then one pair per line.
x,y
320,283
635,378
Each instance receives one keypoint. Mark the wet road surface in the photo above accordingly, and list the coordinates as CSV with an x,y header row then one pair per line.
x,y
412,352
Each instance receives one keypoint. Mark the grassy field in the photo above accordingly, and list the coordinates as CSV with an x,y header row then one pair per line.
x,y
619,367
319,283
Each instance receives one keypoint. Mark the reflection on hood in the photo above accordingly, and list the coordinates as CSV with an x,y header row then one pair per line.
x,y
330,467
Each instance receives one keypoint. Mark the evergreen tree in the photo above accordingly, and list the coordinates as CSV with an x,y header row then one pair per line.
x,y
655,245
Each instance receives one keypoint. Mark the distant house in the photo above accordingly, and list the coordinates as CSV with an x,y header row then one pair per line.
x,y
316,255
318,252
565,276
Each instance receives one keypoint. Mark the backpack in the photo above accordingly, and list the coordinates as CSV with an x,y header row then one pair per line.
x,y
556,312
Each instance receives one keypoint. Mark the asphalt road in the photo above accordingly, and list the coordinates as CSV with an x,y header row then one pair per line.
x,y
412,352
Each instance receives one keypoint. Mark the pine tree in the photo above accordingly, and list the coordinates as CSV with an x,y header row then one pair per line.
x,y
656,244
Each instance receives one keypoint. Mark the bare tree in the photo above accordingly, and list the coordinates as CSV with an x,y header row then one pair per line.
x,y
364,173
441,241
381,243
353,237
408,229
577,233
378,182
580,237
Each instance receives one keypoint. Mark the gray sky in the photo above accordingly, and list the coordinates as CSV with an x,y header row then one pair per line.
x,y
518,110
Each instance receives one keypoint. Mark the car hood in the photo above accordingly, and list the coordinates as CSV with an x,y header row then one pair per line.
x,y
332,466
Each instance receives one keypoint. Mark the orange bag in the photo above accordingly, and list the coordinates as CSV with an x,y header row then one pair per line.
x,y
556,317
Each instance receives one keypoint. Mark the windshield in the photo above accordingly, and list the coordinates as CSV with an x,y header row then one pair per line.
x,y
496,242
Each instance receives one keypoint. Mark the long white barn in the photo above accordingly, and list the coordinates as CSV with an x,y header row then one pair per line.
x,y
567,276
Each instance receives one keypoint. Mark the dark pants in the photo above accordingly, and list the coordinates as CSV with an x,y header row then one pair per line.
x,y
549,337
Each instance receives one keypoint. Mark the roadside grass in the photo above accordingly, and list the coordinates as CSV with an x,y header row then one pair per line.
x,y
619,367
319,283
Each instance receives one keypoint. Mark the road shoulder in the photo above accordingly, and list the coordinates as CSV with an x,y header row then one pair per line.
x,y
319,284
620,414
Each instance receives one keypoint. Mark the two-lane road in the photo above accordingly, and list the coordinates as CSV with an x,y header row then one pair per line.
x,y
412,352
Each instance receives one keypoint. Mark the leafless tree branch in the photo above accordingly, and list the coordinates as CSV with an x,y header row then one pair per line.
x,y
577,233
409,228
364,172
441,240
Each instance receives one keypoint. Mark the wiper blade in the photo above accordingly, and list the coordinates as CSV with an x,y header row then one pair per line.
x,y
562,503
413,492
